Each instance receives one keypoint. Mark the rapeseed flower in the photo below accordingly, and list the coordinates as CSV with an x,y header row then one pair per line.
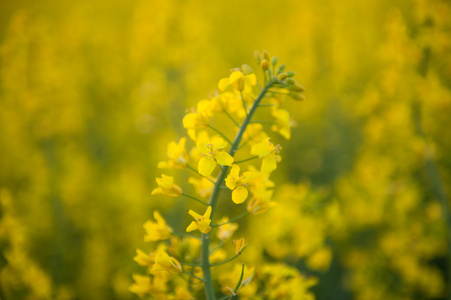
x,y
202,222
269,154
157,230
212,154
196,120
178,157
238,81
234,102
142,285
165,263
238,184
167,187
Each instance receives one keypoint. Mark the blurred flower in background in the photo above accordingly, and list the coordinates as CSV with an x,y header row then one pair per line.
x,y
91,93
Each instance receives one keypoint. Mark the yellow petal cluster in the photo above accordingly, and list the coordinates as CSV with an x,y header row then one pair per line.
x,y
167,187
178,157
238,184
201,223
212,153
157,230
235,103
269,154
238,81
198,119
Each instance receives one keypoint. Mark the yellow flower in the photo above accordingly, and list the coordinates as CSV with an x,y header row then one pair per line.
x,y
178,157
143,259
230,102
212,154
261,188
269,153
254,133
238,184
283,123
239,81
165,263
167,187
260,203
239,245
157,230
142,286
202,222
226,231
199,119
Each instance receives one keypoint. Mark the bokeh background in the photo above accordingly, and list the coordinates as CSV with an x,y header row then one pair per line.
x,y
91,92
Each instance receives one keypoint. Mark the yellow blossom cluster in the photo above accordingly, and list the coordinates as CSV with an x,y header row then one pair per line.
x,y
92,92
213,159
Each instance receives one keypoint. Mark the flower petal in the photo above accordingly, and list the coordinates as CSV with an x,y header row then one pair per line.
x,y
261,149
251,79
235,76
193,226
223,158
230,182
269,164
239,195
223,83
206,165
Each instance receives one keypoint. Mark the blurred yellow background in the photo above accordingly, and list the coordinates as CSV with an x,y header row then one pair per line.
x,y
91,92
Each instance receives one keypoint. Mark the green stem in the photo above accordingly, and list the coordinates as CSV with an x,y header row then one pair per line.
x,y
237,287
205,247
245,160
231,118
230,259
244,103
194,198
222,134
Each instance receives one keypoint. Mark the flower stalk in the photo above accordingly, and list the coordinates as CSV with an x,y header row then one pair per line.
x,y
236,100
205,248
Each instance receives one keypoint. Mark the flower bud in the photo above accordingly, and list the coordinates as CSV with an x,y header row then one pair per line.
x,y
274,60
258,56
290,73
290,80
282,76
265,55
246,69
281,68
264,64
297,96
297,88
